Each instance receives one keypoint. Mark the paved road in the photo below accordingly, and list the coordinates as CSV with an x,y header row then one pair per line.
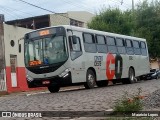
x,y
80,100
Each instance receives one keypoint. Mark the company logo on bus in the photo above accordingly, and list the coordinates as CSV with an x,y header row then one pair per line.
x,y
114,66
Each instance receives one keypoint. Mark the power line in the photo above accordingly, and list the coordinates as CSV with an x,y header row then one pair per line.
x,y
45,9
9,8
11,11
41,8
8,12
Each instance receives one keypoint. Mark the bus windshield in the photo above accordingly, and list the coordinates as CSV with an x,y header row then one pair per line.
x,y
45,51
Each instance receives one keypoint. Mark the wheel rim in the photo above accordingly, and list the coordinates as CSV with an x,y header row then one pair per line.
x,y
91,79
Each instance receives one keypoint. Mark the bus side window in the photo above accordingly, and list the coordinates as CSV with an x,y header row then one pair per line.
x,y
75,48
129,47
120,45
136,46
89,43
111,44
101,44
143,48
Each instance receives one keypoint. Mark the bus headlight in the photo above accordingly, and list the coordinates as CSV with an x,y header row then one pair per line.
x,y
65,73
29,78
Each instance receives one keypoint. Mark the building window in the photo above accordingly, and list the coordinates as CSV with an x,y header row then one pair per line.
x,y
76,23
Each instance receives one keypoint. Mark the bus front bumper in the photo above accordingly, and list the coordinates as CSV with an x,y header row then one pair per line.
x,y
56,80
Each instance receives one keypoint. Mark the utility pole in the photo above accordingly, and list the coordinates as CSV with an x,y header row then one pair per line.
x,y
133,17
133,6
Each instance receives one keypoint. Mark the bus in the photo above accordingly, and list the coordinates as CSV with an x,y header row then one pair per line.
x,y
67,55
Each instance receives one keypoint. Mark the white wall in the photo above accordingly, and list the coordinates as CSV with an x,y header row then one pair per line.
x,y
59,19
14,33
82,16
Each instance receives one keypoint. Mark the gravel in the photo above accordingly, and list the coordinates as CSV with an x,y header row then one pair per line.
x,y
152,102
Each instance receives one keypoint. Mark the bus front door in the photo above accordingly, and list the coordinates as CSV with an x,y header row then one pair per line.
x,y
77,60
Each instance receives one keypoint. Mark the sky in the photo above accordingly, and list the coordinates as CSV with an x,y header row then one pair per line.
x,y
14,9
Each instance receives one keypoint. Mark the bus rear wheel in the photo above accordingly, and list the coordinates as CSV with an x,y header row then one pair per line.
x,y
131,76
54,88
90,80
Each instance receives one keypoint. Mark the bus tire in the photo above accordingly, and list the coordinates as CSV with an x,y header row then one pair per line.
x,y
90,80
102,83
131,76
54,88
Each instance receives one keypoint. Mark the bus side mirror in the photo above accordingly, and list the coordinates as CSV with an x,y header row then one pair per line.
x,y
74,38
19,48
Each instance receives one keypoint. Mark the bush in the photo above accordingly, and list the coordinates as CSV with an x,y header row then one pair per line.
x,y
129,103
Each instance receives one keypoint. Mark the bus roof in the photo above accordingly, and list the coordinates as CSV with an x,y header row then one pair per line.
x,y
80,29
102,32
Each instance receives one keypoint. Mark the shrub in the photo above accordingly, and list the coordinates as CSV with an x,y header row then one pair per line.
x,y
129,103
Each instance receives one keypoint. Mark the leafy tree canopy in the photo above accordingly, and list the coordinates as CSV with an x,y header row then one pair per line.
x,y
143,22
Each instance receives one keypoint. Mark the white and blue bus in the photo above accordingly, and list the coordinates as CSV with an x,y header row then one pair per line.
x,y
67,55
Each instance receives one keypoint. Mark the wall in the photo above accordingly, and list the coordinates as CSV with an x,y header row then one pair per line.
x,y
82,16
58,19
15,33
154,65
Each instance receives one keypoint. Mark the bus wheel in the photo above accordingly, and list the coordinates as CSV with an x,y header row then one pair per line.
x,y
54,88
102,83
90,80
131,76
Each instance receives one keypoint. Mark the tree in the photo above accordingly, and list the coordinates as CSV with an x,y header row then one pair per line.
x,y
113,20
148,25
144,22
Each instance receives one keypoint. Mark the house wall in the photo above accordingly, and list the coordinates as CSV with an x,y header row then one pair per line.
x,y
59,19
82,16
154,65
64,18
15,33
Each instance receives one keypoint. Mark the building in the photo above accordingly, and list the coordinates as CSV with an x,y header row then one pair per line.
x,y
12,70
76,18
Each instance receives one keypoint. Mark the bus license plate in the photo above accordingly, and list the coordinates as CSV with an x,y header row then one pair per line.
x,y
45,82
